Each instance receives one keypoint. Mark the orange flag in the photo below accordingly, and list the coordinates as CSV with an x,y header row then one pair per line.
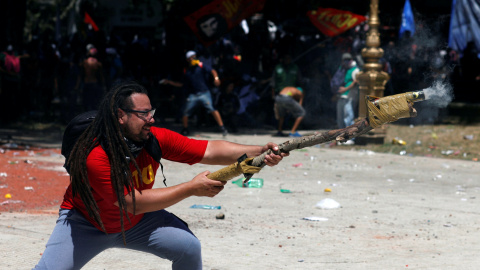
x,y
90,21
333,22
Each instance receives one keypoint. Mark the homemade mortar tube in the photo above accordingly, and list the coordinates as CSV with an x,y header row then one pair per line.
x,y
380,111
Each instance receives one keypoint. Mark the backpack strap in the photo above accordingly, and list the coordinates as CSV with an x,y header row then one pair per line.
x,y
152,146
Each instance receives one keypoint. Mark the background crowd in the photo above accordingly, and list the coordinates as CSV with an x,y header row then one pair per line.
x,y
49,80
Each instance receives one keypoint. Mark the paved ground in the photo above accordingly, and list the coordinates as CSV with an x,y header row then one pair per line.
x,y
396,212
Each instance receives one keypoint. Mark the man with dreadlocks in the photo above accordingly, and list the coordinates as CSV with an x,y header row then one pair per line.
x,y
111,201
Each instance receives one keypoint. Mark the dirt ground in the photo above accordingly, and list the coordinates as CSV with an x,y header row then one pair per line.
x,y
438,141
31,180
396,211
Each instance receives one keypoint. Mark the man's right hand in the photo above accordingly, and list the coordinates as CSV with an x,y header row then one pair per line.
x,y
205,187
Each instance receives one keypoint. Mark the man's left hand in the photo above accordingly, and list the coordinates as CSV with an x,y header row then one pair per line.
x,y
273,159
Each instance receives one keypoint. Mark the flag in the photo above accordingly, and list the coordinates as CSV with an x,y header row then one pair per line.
x,y
464,24
215,19
408,23
333,22
89,20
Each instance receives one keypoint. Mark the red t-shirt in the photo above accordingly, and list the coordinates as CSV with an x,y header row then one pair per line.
x,y
175,147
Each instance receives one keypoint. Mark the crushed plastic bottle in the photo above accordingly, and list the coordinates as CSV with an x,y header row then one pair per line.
x,y
205,206
252,183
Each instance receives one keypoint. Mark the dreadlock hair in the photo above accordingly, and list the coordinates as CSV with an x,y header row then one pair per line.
x,y
105,130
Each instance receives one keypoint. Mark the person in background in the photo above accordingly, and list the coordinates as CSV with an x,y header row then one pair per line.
x,y
10,79
289,100
91,76
196,85
286,74
346,92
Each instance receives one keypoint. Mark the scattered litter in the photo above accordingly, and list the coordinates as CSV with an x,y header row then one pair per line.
x,y
398,141
403,153
418,142
220,216
315,218
327,204
3,186
434,135
28,188
447,225
252,183
327,190
10,202
468,137
8,196
447,152
28,161
12,162
285,190
4,174
2,151
204,206
297,165
305,173
412,180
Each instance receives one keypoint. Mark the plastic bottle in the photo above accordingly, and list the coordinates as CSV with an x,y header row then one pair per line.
x,y
204,206
252,183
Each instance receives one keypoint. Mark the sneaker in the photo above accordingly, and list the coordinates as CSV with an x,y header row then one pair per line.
x,y
185,132
295,135
349,142
280,134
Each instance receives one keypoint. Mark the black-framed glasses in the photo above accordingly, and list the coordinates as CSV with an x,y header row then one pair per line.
x,y
144,115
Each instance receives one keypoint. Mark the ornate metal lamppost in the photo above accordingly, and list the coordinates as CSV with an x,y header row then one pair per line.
x,y
372,79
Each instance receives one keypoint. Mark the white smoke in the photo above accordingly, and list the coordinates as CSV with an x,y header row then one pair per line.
x,y
440,94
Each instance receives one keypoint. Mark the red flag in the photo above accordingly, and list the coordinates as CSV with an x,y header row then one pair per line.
x,y
90,21
332,22
219,16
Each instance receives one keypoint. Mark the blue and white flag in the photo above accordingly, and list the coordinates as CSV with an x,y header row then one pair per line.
x,y
408,23
464,24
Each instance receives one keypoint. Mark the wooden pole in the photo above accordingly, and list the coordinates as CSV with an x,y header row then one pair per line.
x,y
358,128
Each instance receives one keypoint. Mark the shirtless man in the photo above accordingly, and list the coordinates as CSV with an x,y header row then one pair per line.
x,y
93,81
289,100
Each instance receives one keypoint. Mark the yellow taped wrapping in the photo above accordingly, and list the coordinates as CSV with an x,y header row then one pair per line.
x,y
390,109
234,170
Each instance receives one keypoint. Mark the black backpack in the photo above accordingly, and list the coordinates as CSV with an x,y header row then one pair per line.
x,y
80,123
